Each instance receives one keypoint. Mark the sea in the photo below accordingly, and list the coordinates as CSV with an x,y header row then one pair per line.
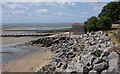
x,y
43,26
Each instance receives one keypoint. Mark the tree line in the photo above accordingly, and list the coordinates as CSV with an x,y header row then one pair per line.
x,y
109,14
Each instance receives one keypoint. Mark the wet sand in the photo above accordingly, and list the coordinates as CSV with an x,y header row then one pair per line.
x,y
9,40
30,62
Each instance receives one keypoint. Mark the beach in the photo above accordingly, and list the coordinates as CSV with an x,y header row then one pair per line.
x,y
19,57
24,58
30,62
9,40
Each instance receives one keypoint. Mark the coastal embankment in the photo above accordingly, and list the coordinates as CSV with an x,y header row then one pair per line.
x,y
86,53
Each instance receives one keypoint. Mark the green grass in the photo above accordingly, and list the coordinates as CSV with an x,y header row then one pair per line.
x,y
114,39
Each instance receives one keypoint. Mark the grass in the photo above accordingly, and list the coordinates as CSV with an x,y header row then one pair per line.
x,y
114,39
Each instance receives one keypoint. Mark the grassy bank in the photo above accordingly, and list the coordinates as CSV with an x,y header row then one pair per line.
x,y
114,38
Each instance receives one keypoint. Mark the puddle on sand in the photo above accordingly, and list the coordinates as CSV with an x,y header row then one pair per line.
x,y
16,51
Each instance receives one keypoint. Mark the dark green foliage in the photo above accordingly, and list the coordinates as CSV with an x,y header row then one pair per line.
x,y
91,24
95,24
109,14
104,23
97,53
111,10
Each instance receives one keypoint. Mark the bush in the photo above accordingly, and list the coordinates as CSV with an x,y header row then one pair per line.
x,y
104,23
95,24
91,24
97,53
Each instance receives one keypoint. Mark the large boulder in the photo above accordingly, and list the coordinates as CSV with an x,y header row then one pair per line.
x,y
100,67
114,65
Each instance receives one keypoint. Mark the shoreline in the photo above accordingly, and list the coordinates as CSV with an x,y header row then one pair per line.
x,y
29,62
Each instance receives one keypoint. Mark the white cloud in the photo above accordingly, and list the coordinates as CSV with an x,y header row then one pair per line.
x,y
63,14
14,8
54,4
42,11
57,0
46,12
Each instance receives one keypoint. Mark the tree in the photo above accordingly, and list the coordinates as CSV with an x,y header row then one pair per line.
x,y
111,10
104,23
91,24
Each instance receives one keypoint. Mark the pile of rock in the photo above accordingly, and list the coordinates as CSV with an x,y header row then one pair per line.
x,y
43,42
88,53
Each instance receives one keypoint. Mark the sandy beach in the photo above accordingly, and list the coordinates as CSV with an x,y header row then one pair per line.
x,y
9,40
30,62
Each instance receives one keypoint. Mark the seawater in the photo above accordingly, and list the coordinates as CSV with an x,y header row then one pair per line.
x,y
38,26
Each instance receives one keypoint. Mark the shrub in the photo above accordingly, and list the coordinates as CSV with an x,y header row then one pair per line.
x,y
91,24
97,53
104,23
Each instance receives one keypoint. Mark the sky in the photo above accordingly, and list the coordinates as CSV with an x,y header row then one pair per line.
x,y
49,12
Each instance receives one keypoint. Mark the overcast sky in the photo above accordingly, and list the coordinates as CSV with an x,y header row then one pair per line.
x,y
49,12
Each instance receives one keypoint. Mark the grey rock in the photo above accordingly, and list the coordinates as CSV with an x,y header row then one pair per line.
x,y
100,67
59,64
45,68
64,66
92,59
85,70
97,61
113,55
114,65
59,70
52,68
105,54
92,72
105,72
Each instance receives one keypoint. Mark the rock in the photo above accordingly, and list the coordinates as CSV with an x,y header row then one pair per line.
x,y
59,65
114,64
64,66
113,55
100,67
92,43
87,58
97,61
88,53
105,54
52,68
85,70
62,53
59,70
92,72
105,72
45,68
